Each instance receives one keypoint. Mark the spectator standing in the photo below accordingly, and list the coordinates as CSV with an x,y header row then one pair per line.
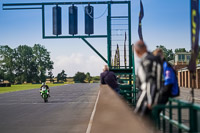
x,y
170,86
148,79
108,77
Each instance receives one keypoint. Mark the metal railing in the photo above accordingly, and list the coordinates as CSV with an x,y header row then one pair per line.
x,y
163,116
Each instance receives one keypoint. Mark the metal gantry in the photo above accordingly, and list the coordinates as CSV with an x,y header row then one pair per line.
x,y
126,74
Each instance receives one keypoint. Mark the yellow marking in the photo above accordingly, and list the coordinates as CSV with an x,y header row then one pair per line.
x,y
194,25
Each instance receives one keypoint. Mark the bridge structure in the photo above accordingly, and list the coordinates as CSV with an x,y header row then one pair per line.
x,y
115,23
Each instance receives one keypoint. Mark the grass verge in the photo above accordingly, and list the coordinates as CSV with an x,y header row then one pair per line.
x,y
24,87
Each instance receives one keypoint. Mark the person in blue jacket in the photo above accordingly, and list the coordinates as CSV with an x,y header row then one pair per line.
x,y
170,86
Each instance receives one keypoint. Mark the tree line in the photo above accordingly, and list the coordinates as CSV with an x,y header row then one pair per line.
x,y
33,65
25,63
85,77
169,54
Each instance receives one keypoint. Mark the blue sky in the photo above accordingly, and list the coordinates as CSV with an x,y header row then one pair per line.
x,y
165,22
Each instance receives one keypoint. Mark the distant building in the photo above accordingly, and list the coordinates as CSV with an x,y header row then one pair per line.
x,y
181,60
185,80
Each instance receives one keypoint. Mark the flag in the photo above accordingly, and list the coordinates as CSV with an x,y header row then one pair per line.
x,y
141,15
194,34
125,51
118,57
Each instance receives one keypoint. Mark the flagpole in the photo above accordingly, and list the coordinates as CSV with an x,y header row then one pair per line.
x,y
141,15
192,77
194,12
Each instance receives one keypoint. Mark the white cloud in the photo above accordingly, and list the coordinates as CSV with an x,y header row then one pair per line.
x,y
78,62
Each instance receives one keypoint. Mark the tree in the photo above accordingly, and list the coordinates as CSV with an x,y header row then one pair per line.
x,y
168,53
180,50
1,75
1,71
62,76
58,77
50,76
96,78
42,60
88,77
24,63
7,63
80,77
34,72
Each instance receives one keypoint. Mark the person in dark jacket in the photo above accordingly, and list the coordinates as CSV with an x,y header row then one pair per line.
x,y
148,79
108,77
170,86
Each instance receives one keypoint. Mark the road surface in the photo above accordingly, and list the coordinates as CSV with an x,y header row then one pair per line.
x,y
68,110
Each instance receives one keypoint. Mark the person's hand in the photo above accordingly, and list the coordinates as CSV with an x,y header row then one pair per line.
x,y
149,106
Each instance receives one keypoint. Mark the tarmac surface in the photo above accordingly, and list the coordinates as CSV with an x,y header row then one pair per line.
x,y
68,110
185,94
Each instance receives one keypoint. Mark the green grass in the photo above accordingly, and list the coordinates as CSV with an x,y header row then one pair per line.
x,y
24,87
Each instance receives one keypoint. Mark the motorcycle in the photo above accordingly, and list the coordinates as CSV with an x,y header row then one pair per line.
x,y
44,94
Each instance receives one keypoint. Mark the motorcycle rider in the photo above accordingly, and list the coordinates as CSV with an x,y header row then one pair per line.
x,y
47,87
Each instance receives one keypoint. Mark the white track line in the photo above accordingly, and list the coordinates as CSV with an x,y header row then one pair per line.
x,y
92,115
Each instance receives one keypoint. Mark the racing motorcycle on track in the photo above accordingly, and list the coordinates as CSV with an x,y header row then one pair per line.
x,y
44,94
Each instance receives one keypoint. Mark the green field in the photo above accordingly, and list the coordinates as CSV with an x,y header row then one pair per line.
x,y
24,87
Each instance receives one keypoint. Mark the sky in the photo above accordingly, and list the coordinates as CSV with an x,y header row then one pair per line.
x,y
165,22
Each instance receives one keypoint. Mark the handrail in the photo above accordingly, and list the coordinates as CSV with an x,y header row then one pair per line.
x,y
182,126
181,104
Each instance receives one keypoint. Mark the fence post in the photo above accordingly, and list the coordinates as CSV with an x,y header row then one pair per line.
x,y
198,121
163,121
158,119
179,117
193,120
170,116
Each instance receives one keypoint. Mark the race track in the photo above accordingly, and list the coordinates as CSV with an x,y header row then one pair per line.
x,y
68,110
